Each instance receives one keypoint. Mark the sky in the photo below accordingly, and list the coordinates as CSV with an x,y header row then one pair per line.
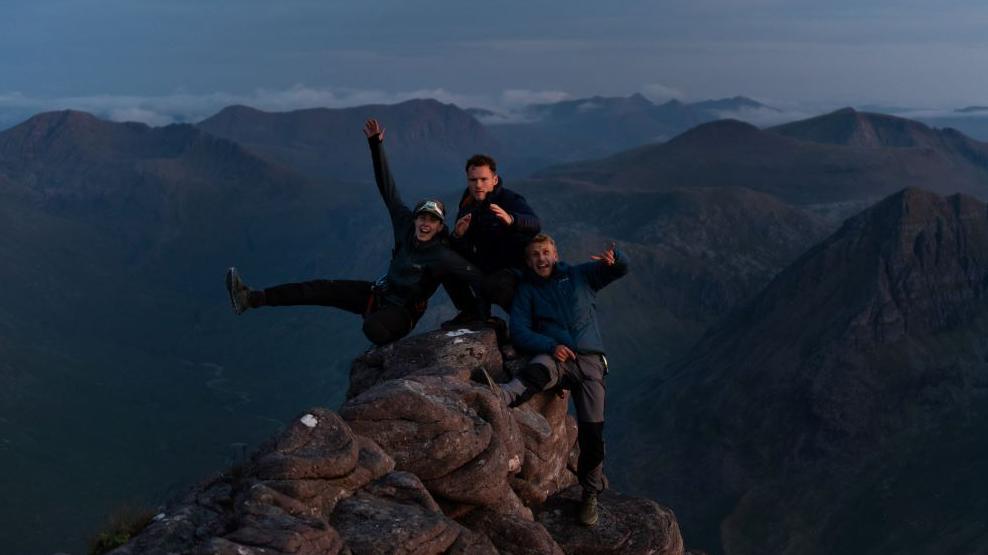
x,y
182,60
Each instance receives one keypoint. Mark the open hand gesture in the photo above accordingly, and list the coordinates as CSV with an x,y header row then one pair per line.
x,y
502,214
372,127
462,225
607,257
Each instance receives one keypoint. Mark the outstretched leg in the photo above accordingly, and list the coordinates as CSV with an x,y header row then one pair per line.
x,y
350,295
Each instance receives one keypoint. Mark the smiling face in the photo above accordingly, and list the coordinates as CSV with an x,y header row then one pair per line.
x,y
541,257
427,226
480,181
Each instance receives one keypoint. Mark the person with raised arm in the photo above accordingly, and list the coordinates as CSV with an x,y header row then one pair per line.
x,y
554,319
392,305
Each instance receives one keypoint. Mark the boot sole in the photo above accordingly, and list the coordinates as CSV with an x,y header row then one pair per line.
x,y
231,275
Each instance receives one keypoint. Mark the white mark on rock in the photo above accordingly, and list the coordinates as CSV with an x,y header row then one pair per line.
x,y
457,333
242,551
159,516
514,464
458,340
309,420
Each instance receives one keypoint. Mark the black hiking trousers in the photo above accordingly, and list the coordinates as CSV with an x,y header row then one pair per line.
x,y
496,288
383,322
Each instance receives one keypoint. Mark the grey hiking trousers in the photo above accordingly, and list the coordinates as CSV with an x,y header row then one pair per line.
x,y
584,377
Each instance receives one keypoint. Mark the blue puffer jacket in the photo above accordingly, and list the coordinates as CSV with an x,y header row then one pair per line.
x,y
562,309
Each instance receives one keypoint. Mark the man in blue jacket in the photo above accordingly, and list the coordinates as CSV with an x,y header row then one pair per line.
x,y
554,317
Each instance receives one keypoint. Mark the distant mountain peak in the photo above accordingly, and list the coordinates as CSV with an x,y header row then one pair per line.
x,y
727,105
63,118
717,131
850,127
239,109
673,103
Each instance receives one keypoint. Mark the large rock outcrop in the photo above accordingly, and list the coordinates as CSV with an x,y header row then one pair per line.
x,y
421,458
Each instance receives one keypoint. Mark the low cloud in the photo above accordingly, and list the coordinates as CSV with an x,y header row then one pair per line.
x,y
934,113
764,116
659,93
519,98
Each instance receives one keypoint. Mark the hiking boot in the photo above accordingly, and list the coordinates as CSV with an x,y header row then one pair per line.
x,y
239,292
588,510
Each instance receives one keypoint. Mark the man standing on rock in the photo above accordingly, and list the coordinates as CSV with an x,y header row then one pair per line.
x,y
493,225
392,305
554,317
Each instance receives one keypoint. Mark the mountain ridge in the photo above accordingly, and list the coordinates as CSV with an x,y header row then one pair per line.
x,y
872,338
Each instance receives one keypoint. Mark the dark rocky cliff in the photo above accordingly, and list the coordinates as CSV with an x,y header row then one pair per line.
x,y
419,459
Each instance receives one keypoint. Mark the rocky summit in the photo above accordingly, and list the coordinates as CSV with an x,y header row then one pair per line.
x,y
420,458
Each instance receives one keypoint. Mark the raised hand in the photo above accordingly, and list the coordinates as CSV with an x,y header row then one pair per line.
x,y
462,225
501,214
607,257
562,353
372,127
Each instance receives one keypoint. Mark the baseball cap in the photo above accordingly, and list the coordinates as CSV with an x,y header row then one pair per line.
x,y
434,207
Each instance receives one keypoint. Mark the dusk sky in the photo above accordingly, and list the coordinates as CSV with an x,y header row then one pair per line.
x,y
183,59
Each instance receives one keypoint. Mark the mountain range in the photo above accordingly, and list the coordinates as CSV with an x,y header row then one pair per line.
x,y
835,163
117,235
426,139
542,134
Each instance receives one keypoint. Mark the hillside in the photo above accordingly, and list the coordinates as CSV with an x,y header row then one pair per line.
x,y
832,412
542,134
815,166
124,373
428,141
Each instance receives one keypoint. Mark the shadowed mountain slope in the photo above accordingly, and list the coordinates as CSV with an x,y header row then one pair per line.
x,y
837,411
730,153
599,126
124,373
696,254
428,141
863,129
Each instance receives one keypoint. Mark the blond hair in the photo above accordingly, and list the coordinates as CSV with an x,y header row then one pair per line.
x,y
540,238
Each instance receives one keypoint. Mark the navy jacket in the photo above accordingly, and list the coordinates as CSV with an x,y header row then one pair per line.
x,y
489,243
562,309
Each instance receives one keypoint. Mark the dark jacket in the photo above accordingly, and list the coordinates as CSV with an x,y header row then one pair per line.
x,y
490,243
416,268
561,309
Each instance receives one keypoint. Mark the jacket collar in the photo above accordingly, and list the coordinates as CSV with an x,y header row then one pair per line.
x,y
493,196
561,270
